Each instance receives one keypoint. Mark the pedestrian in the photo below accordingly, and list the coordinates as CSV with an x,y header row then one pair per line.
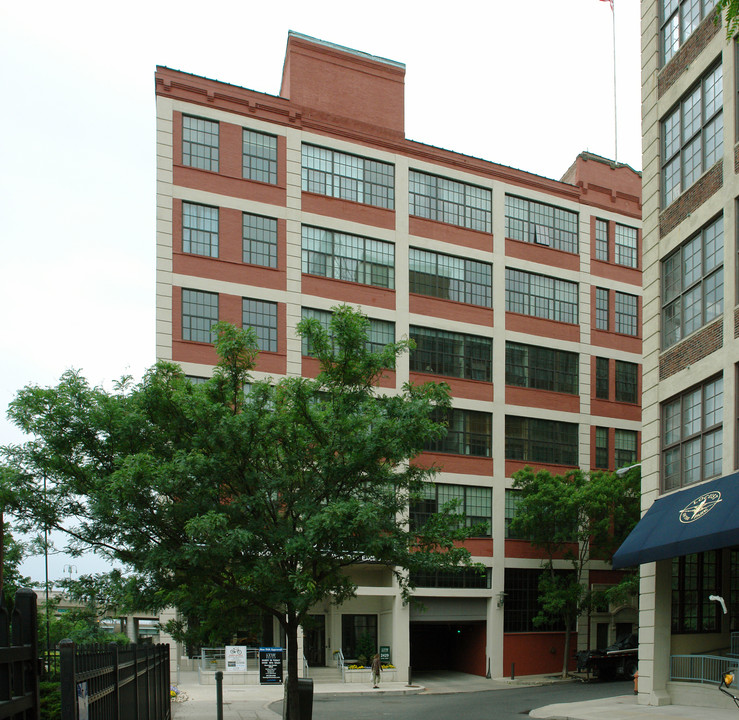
x,y
376,671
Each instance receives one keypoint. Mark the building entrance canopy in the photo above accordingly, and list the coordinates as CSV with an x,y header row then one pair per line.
x,y
704,517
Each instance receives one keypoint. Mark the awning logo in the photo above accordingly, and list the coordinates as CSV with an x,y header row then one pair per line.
x,y
699,507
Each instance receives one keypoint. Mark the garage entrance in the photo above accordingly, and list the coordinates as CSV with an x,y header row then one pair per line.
x,y
458,646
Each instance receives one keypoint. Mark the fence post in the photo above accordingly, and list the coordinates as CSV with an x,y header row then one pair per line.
x,y
116,682
5,667
68,670
25,632
219,695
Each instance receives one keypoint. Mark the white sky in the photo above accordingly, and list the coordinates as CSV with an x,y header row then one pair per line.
x,y
525,84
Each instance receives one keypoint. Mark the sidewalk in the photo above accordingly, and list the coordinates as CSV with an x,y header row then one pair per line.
x,y
251,702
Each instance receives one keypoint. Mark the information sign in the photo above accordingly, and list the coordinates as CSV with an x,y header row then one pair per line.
x,y
385,653
270,665
235,658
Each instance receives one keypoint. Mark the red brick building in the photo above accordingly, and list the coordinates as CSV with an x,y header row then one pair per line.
x,y
522,293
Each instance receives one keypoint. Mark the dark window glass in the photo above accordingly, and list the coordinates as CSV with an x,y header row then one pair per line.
x,y
381,332
627,378
522,602
627,318
541,368
694,578
469,432
602,380
601,309
541,441
353,629
199,314
460,578
474,505
261,315
542,224
260,240
625,450
451,278
260,157
199,143
451,354
199,229
601,240
601,448
540,296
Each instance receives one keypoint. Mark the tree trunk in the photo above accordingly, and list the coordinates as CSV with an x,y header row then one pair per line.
x,y
568,634
291,633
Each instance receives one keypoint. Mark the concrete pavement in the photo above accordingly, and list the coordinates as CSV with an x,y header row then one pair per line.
x,y
251,702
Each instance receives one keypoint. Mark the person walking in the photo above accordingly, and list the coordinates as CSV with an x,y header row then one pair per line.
x,y
376,671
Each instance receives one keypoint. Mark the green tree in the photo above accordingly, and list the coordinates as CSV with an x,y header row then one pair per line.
x,y
576,517
232,494
731,7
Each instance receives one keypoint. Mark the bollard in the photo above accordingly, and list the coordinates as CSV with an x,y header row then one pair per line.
x,y
219,695
410,676
513,671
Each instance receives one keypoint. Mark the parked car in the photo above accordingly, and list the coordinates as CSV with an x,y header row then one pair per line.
x,y
617,659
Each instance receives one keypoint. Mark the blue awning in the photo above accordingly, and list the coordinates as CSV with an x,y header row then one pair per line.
x,y
699,518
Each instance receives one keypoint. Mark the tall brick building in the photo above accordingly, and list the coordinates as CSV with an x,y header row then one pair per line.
x,y
686,541
521,292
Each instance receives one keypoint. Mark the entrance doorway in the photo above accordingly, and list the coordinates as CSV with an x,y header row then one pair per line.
x,y
314,640
448,646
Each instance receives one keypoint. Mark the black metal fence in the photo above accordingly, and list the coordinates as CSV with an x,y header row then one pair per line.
x,y
19,666
108,682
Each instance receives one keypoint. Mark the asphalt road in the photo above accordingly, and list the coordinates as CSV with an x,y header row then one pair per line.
x,y
503,704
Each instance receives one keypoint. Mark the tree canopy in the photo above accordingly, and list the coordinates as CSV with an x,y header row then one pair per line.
x,y
732,16
236,494
573,518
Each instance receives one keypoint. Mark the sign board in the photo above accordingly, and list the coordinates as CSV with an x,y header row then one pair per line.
x,y
270,665
235,658
82,701
385,653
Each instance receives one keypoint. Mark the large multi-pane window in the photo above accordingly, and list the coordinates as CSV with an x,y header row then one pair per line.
x,y
199,143
694,579
354,628
535,222
692,435
349,177
512,500
627,381
602,310
602,378
522,602
468,578
692,136
449,277
541,296
450,201
260,240
199,229
693,284
541,368
380,334
541,441
626,308
452,354
601,448
473,505
626,244
601,240
348,257
679,19
469,432
261,315
260,157
199,314
624,448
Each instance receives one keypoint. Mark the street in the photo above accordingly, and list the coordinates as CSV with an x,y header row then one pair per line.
x,y
502,704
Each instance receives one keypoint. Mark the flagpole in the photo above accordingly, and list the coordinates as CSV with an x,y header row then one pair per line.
x,y
615,112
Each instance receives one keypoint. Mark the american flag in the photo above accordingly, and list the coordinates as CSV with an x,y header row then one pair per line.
x,y
610,2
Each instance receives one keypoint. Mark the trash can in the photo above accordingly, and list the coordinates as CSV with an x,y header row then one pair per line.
x,y
305,698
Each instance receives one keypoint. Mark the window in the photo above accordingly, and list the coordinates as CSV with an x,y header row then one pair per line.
x,y
260,240
451,278
199,143
199,229
601,448
693,284
449,201
349,177
625,450
199,314
474,505
463,577
451,354
469,432
535,222
380,333
261,315
522,602
692,435
601,240
694,578
602,310
353,630
541,368
679,18
627,246
627,381
348,257
541,441
197,379
512,499
627,317
602,379
260,157
692,136
540,296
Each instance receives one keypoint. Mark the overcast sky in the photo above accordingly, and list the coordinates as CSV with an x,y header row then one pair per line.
x,y
525,84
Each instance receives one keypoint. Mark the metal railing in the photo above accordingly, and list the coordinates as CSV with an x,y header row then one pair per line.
x,y
341,665
734,651
305,668
700,668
